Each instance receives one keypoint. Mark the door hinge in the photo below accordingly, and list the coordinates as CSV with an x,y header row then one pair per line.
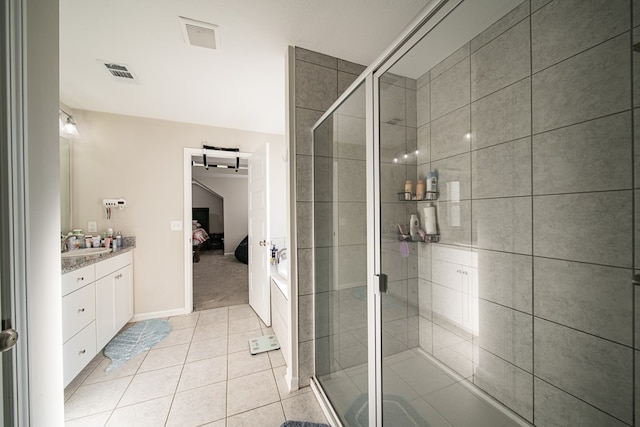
x,y
382,283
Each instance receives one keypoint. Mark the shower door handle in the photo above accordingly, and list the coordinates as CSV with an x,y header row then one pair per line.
x,y
382,283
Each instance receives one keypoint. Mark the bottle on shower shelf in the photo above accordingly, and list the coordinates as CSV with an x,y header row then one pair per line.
x,y
432,185
408,189
414,227
430,224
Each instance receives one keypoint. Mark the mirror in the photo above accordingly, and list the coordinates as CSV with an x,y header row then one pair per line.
x,y
65,185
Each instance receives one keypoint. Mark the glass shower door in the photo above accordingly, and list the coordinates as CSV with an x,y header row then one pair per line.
x,y
429,313
340,259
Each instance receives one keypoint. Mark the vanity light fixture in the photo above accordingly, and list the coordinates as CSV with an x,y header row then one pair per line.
x,y
68,128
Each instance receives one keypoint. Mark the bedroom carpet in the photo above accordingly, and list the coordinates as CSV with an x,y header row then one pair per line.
x,y
219,281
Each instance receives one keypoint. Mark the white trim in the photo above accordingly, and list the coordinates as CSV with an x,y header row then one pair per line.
x,y
293,367
293,383
187,254
373,253
159,314
325,405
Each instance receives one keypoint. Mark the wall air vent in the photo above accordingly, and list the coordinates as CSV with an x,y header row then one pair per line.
x,y
120,72
201,34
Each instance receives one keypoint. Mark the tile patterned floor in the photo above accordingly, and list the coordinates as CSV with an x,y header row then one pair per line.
x,y
201,374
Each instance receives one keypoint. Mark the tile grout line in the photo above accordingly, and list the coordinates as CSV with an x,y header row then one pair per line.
x,y
173,397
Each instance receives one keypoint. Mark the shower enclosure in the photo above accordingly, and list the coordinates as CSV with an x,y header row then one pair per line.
x,y
519,308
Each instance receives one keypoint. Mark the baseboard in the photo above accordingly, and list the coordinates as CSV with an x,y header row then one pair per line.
x,y
159,314
292,382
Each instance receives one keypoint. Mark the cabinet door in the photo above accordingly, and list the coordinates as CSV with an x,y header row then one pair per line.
x,y
105,316
123,296
114,304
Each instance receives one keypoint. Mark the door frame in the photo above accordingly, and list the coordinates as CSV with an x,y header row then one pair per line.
x,y
188,153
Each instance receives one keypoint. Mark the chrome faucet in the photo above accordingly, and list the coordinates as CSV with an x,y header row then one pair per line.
x,y
282,255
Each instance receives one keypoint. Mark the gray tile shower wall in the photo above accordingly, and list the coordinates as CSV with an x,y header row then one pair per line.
x,y
319,80
543,189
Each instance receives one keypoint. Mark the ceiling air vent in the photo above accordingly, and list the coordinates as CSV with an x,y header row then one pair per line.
x,y
201,34
120,72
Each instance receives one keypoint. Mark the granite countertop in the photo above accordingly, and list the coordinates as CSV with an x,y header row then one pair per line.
x,y
74,263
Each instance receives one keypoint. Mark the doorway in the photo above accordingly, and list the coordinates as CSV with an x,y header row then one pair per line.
x,y
218,211
220,279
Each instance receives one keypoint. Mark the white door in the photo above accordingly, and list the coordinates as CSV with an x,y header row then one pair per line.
x,y
259,236
13,218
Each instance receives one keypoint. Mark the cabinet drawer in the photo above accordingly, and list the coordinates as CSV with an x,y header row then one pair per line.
x,y
78,352
110,265
78,310
77,279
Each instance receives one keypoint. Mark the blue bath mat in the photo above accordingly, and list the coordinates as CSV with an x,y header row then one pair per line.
x,y
134,340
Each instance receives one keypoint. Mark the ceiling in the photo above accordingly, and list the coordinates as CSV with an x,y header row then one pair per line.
x,y
242,84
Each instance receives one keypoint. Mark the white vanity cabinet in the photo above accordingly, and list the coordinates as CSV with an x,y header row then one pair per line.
x,y
114,297
97,300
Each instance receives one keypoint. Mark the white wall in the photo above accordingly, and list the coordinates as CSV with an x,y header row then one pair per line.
x,y
142,160
278,164
201,198
234,190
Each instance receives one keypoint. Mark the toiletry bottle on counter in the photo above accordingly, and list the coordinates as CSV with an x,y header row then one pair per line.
x,y
430,225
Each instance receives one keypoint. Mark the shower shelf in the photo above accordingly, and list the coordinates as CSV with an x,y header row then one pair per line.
x,y
428,238
427,196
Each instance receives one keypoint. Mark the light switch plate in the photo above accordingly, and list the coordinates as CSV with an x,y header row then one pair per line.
x,y
176,225
92,226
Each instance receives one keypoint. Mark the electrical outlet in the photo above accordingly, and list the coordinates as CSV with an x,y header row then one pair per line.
x,y
92,226
176,225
